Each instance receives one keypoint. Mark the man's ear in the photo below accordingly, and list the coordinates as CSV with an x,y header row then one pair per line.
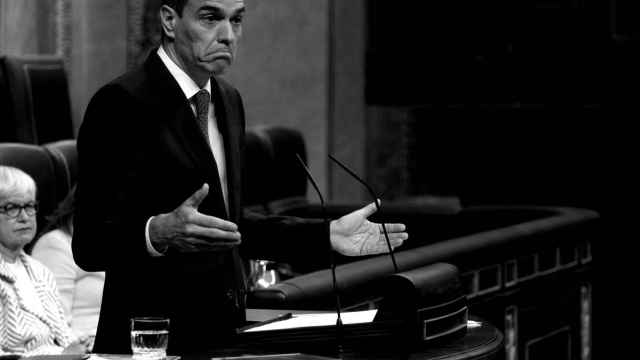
x,y
168,18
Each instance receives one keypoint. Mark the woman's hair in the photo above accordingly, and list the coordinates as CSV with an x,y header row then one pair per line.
x,y
14,180
62,216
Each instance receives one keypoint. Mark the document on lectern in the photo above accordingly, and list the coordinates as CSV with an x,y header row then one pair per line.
x,y
294,321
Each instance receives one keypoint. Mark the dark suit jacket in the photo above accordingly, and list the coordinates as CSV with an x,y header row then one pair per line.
x,y
141,153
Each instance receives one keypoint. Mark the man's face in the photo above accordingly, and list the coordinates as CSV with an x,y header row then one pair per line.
x,y
207,34
16,232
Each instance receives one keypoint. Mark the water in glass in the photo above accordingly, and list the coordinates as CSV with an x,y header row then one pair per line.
x,y
149,338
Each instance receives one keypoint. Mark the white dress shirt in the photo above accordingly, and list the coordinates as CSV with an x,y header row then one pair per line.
x,y
216,143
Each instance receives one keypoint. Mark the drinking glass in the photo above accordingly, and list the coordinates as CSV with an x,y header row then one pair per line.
x,y
149,337
261,275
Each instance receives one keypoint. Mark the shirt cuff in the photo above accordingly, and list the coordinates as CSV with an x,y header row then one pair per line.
x,y
152,251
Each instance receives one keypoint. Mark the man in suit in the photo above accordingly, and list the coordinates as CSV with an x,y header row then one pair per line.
x,y
160,157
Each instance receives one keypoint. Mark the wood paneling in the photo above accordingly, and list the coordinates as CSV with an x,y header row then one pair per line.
x,y
347,117
98,51
282,71
28,27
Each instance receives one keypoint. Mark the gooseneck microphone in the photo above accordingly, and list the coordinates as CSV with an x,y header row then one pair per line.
x,y
336,290
375,199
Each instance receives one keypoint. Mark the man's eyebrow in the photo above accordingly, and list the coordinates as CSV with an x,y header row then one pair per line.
x,y
211,8
219,11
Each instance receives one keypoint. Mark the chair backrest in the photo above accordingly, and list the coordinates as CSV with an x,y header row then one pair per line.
x,y
257,182
286,143
36,161
35,98
273,177
65,156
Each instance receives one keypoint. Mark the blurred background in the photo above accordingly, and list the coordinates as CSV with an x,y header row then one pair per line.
x,y
494,101
491,102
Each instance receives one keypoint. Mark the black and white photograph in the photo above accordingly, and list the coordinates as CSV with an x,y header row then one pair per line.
x,y
318,179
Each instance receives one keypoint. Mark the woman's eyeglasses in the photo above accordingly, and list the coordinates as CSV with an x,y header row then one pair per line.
x,y
13,210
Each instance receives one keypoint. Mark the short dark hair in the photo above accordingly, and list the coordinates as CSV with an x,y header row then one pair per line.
x,y
60,219
176,5
62,216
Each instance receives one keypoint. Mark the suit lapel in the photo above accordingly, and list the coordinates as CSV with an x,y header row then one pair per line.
x,y
182,125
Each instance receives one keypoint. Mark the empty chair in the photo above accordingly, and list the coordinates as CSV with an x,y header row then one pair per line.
x,y
258,155
289,189
283,182
274,181
34,99
65,156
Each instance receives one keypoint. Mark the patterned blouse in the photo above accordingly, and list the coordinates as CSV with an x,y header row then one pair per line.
x,y
25,327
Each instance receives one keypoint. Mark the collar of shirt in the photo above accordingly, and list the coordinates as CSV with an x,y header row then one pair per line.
x,y
186,83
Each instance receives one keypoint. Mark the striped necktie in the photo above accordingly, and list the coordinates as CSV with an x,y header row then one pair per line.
x,y
202,100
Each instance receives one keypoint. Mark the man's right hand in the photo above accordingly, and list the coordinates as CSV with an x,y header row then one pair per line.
x,y
187,230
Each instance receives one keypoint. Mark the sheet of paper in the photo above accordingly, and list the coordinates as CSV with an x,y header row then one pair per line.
x,y
327,319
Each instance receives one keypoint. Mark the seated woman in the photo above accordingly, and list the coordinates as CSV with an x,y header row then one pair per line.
x,y
81,291
32,319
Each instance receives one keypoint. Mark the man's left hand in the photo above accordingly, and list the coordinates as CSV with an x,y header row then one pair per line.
x,y
354,235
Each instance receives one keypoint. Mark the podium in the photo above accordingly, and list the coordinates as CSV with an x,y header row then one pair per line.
x,y
422,314
481,340
422,311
